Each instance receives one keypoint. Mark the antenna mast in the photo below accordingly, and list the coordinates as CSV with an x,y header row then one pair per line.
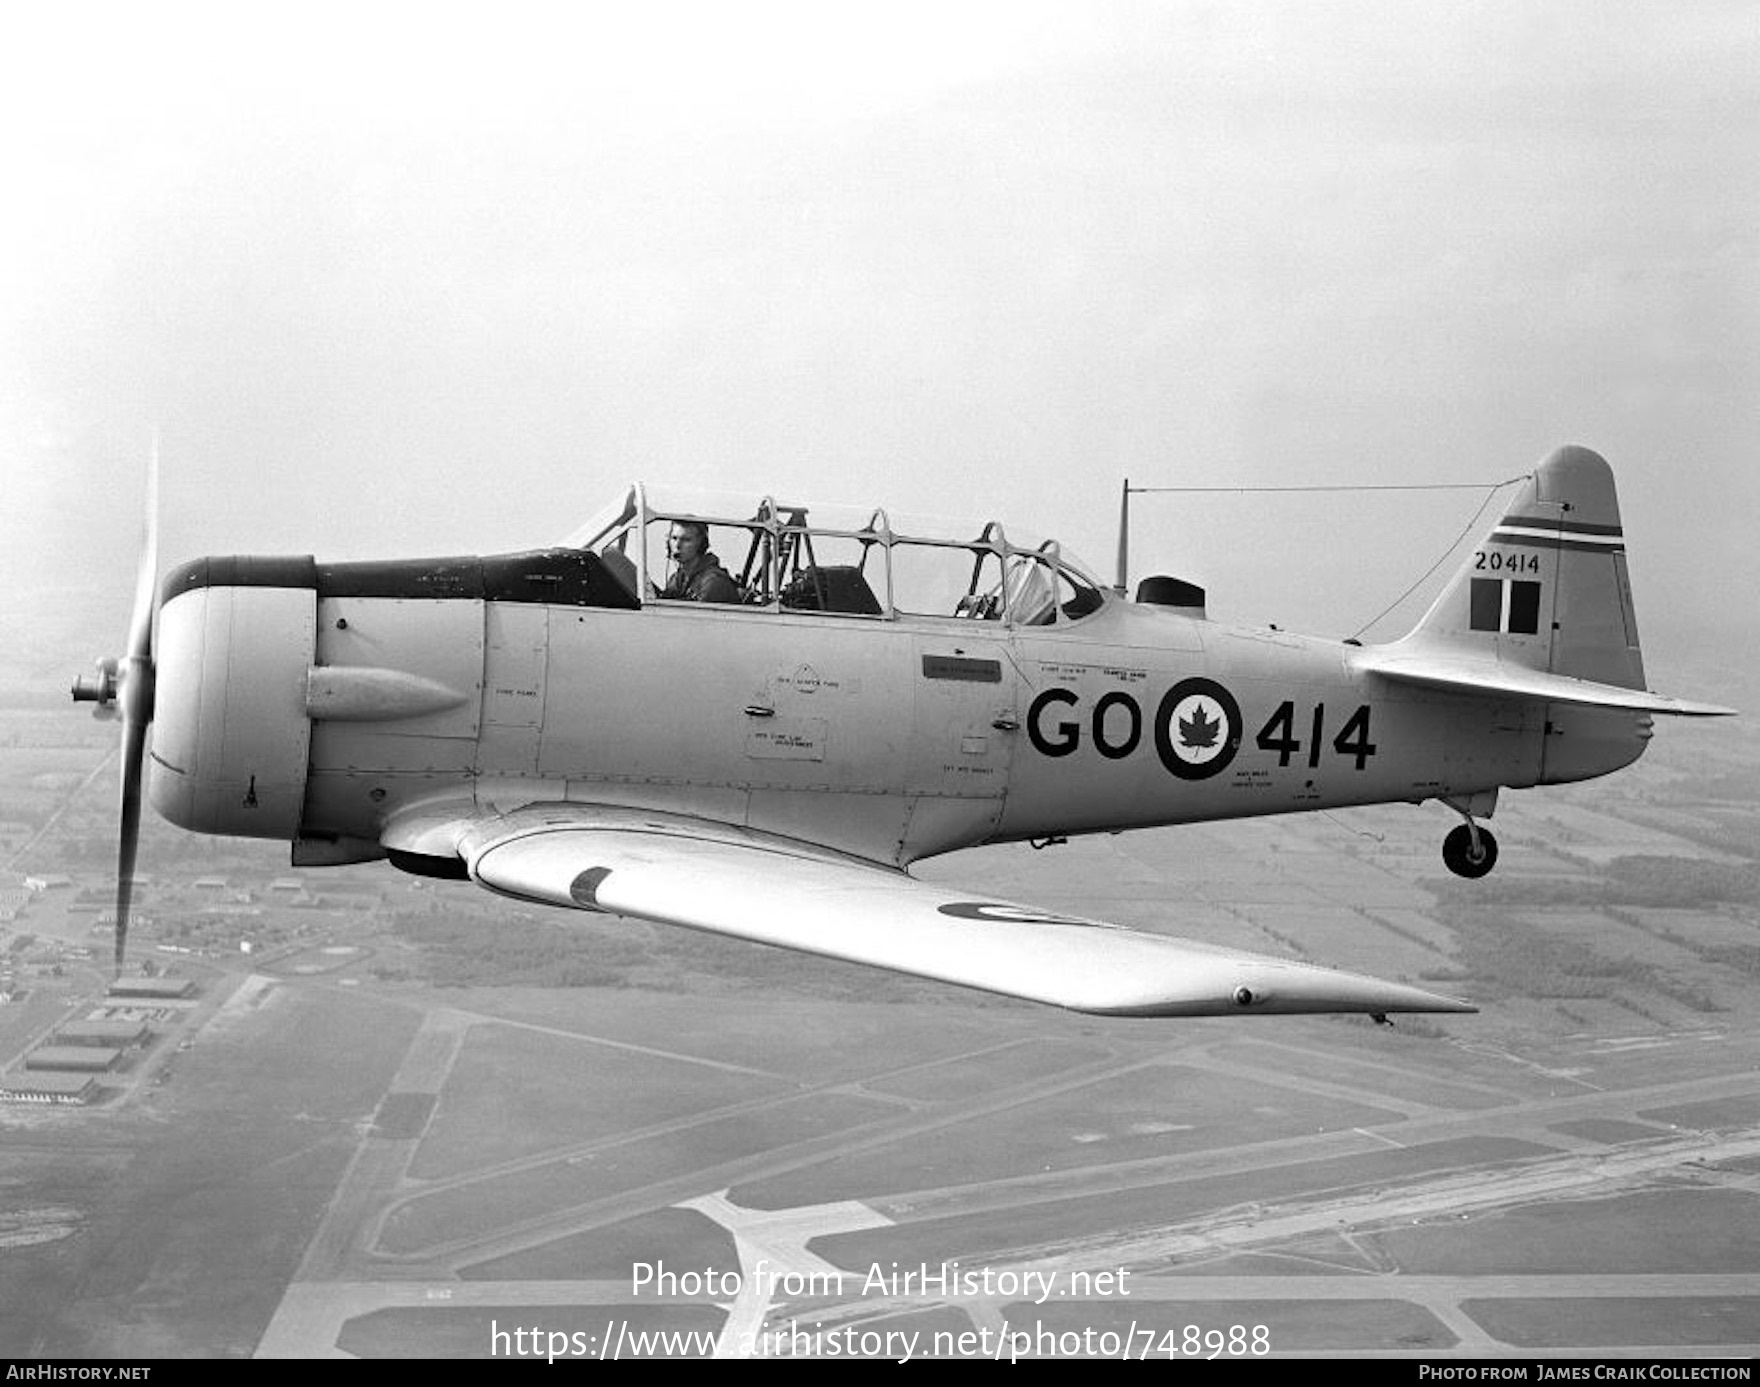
x,y
1124,534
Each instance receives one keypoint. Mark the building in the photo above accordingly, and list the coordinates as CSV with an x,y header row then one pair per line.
x,y
157,988
119,1035
47,1088
85,1059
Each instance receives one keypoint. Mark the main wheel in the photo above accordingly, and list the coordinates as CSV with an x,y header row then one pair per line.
x,y
1457,852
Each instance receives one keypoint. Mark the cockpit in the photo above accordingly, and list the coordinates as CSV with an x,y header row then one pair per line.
x,y
837,561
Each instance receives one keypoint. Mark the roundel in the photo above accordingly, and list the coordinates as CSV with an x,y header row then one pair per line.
x,y
1197,729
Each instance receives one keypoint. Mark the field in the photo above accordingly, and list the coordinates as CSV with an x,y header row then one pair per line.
x,y
410,1116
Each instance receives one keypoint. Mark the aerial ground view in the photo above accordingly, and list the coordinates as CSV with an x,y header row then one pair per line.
x,y
355,1113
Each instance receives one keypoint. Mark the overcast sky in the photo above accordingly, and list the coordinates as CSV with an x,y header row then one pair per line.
x,y
402,280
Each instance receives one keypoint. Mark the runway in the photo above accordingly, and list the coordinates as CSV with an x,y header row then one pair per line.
x,y
1292,1232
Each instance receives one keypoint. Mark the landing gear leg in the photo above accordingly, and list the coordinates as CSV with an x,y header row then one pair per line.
x,y
1470,851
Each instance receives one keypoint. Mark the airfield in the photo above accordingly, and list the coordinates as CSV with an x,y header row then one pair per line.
x,y
353,1144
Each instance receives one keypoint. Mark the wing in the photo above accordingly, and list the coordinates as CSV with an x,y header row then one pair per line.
x,y
1461,673
682,871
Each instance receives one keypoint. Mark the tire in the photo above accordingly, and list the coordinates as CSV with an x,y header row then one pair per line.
x,y
1457,853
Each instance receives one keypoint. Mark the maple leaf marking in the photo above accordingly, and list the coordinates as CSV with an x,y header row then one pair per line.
x,y
1199,731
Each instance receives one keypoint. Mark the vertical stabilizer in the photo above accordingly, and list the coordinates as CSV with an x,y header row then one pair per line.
x,y
1546,588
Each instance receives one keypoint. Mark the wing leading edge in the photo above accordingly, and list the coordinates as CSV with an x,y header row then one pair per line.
x,y
704,876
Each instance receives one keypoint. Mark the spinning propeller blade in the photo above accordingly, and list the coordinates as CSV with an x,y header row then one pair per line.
x,y
128,683
137,703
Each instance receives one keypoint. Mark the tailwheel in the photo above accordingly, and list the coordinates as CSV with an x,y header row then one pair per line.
x,y
1469,851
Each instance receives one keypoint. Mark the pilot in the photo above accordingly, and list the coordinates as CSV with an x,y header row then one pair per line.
x,y
699,576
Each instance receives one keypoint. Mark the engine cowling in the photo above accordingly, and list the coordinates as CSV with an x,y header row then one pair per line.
x,y
231,739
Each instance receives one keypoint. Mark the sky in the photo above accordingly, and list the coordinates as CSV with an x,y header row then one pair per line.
x,y
395,280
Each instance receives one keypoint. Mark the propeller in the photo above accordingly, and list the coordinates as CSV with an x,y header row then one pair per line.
x,y
125,685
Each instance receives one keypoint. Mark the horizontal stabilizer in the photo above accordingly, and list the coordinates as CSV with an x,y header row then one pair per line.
x,y
705,876
1466,673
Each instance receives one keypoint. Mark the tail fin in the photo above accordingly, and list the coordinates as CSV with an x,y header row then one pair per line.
x,y
1547,589
1541,612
